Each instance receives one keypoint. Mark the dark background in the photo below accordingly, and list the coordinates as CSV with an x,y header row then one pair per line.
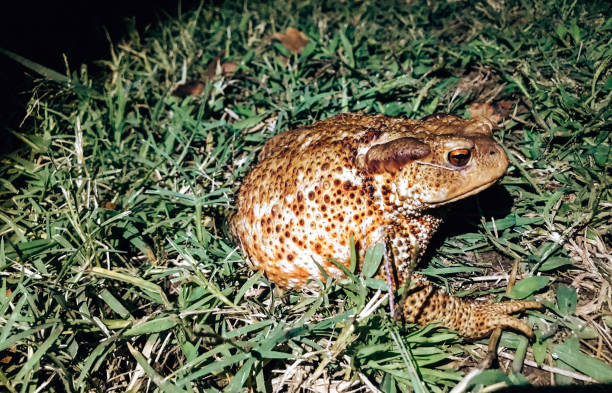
x,y
42,31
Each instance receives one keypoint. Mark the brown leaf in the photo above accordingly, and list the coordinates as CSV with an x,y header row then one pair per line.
x,y
292,39
227,69
193,88
109,205
484,110
505,104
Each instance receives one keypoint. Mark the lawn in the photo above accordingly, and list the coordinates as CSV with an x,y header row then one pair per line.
x,y
117,270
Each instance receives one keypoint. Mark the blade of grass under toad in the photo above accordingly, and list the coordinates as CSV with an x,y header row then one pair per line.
x,y
165,385
114,303
155,325
154,289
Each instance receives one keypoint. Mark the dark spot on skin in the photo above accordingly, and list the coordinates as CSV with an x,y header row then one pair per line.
x,y
290,257
311,195
337,182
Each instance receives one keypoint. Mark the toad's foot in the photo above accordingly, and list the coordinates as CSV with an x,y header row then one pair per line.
x,y
425,303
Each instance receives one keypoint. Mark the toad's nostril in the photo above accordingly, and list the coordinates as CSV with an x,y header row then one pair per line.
x,y
492,152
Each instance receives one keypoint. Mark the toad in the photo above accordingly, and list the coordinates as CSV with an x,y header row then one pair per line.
x,y
381,180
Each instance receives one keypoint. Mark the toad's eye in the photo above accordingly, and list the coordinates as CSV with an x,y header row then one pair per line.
x,y
459,157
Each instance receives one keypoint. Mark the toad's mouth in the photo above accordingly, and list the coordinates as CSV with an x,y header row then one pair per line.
x,y
471,192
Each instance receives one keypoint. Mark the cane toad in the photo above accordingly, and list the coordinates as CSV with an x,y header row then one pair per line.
x,y
379,179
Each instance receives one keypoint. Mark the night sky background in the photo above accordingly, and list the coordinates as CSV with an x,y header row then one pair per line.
x,y
43,31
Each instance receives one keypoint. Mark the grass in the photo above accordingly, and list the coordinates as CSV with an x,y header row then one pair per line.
x,y
117,271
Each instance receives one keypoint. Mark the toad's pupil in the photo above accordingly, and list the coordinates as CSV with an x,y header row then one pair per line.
x,y
459,157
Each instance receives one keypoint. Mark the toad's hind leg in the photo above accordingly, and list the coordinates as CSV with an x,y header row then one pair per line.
x,y
424,303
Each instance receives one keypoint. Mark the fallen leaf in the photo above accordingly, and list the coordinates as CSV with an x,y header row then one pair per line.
x,y
227,69
505,104
292,39
109,205
193,88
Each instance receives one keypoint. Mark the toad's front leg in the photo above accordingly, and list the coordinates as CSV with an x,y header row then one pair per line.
x,y
425,303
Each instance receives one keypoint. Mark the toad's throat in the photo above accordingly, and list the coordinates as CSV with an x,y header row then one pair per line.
x,y
463,195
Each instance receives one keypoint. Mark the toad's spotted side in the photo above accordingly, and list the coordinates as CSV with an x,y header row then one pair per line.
x,y
379,179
